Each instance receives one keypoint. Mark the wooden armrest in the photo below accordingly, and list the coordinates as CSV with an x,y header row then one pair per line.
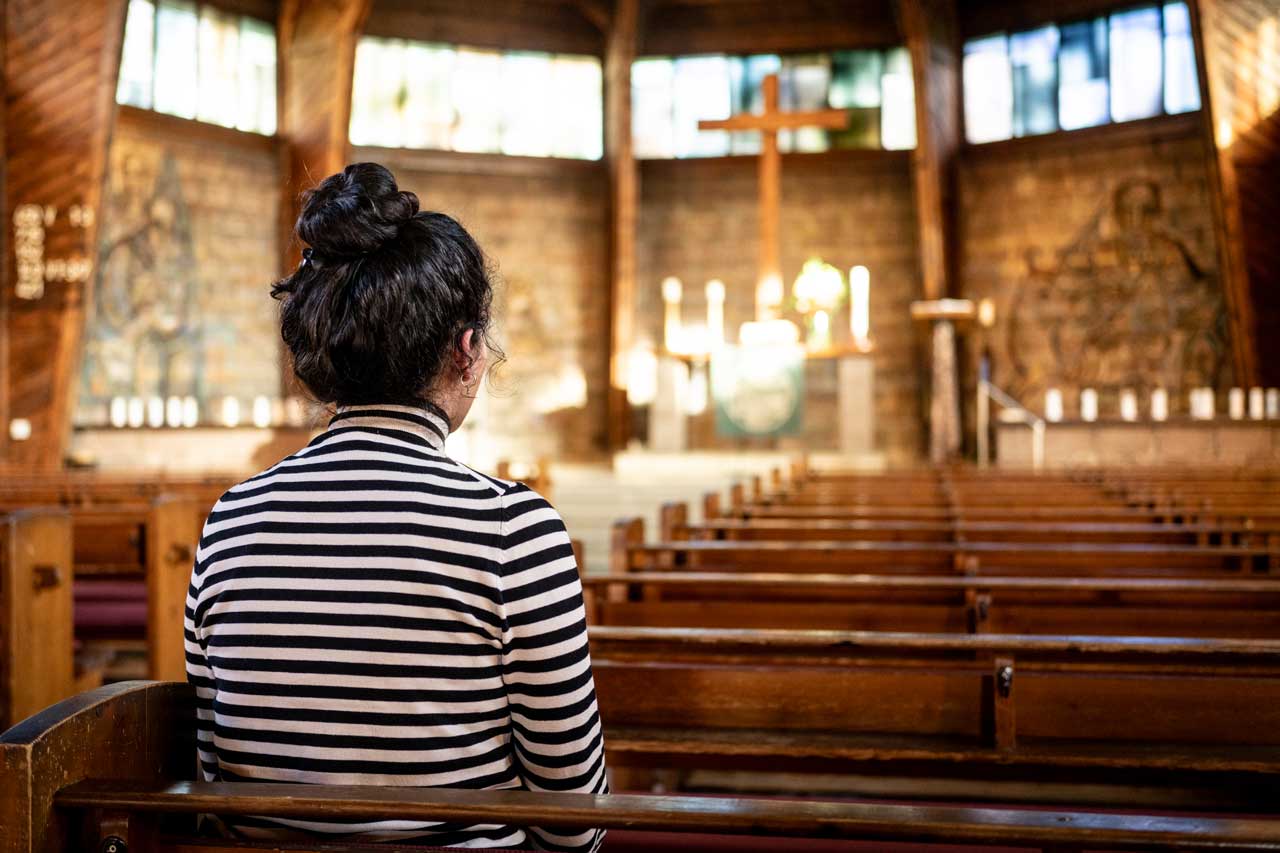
x,y
787,818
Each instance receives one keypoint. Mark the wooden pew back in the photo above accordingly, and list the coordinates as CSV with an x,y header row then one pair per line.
x,y
98,770
36,662
1242,609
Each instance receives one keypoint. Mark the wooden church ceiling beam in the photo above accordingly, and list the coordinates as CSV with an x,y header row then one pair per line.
x,y
1219,29
624,208
61,61
681,27
934,42
317,47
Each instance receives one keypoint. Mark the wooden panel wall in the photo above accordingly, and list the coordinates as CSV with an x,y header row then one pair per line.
x,y
1241,52
934,41
61,62
316,42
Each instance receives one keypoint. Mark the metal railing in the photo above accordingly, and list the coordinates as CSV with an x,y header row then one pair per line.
x,y
987,392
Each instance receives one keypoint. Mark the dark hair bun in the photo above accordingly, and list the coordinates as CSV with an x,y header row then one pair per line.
x,y
384,295
355,212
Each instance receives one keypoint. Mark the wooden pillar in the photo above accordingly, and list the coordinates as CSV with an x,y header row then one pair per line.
x,y
933,39
61,61
316,44
624,206
1216,28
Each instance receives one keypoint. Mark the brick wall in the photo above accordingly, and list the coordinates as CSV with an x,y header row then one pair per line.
x,y
698,221
1099,252
543,224
188,249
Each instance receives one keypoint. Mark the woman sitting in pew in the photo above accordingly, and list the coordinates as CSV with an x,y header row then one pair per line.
x,y
368,611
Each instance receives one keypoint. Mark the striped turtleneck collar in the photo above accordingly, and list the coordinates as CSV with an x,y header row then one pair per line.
x,y
421,422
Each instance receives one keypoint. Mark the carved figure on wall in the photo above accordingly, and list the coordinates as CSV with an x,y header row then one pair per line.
x,y
1125,304
143,335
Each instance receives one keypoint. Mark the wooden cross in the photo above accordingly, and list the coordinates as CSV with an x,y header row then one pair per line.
x,y
769,122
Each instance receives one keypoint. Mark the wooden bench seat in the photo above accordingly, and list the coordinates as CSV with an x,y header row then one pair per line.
x,y
1062,558
675,526
1009,708
1107,606
108,764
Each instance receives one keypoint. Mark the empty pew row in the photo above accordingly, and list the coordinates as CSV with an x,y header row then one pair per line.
x,y
1047,558
1227,490
99,771
1235,490
1045,719
1164,607
675,526
750,502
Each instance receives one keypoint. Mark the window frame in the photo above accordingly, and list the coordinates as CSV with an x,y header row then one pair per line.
x,y
1106,15
882,50
227,8
551,57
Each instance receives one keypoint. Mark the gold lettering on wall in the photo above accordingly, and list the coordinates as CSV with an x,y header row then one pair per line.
x,y
30,222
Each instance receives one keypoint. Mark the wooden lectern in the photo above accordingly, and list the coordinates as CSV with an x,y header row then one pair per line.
x,y
944,394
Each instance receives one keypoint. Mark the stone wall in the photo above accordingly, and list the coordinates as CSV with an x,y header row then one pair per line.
x,y
698,221
188,249
1098,249
544,226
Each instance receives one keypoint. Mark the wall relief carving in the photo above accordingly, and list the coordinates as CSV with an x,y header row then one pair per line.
x,y
1127,303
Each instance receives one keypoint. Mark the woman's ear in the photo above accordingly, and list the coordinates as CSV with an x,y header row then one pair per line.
x,y
465,354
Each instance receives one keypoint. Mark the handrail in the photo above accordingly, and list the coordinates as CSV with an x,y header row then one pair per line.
x,y
988,391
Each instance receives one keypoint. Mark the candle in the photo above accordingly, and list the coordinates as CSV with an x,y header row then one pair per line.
x,y
230,412
715,313
1089,405
1159,405
768,297
642,376
1257,404
137,412
173,411
860,305
820,337
155,412
190,412
19,429
696,394
1053,405
119,412
672,291
1235,404
1128,405
261,412
1273,403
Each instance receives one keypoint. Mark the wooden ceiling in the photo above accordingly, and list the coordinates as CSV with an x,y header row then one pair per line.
x,y
557,26
674,27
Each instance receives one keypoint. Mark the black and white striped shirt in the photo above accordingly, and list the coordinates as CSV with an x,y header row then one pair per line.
x,y
370,612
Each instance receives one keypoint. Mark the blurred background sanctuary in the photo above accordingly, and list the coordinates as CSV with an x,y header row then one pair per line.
x,y
727,231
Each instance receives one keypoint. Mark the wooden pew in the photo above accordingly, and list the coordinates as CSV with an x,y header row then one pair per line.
x,y
102,768
131,567
1162,722
35,612
143,597
1065,558
1244,609
536,476
675,526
